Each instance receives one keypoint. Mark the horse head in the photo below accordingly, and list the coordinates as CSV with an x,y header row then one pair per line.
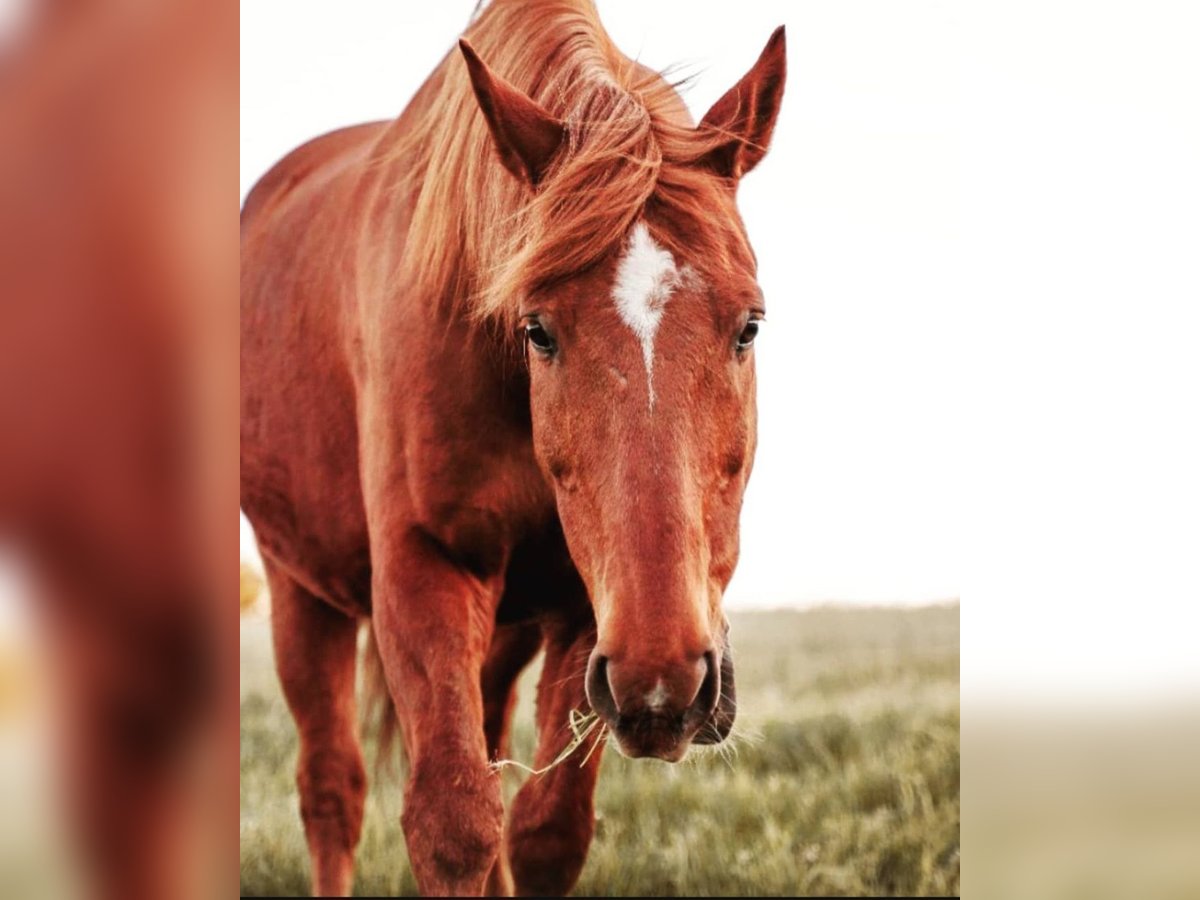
x,y
642,381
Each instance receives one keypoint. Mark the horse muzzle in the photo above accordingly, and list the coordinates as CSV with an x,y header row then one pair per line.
x,y
659,711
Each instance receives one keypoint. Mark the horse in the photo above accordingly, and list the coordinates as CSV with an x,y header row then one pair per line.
x,y
498,397
116,452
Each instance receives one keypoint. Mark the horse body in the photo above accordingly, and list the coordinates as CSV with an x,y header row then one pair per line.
x,y
459,469
453,447
399,463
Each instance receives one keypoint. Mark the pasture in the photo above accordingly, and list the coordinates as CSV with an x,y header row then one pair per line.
x,y
843,780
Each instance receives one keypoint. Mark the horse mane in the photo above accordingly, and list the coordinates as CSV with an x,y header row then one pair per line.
x,y
479,239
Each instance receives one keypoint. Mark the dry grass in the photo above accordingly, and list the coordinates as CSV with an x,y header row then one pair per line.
x,y
845,780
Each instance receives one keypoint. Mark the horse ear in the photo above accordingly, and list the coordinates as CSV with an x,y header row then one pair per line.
x,y
525,134
747,112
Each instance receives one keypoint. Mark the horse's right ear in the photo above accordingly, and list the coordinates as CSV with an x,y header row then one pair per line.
x,y
525,134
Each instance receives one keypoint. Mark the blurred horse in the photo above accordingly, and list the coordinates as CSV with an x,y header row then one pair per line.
x,y
116,361
498,396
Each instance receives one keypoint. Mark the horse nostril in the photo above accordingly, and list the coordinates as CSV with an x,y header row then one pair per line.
x,y
606,670
709,693
599,689
719,723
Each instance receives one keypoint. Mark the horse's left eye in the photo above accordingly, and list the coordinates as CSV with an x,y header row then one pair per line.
x,y
749,333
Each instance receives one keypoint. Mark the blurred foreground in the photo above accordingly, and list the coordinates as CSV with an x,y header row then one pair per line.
x,y
118,342
843,777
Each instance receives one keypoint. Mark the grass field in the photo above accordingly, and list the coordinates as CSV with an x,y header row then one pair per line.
x,y
846,781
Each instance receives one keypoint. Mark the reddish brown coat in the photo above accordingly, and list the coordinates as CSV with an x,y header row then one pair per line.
x,y
408,458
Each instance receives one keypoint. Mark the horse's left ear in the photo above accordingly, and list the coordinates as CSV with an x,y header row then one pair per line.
x,y
746,114
525,134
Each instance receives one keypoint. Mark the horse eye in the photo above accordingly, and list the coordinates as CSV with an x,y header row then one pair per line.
x,y
536,335
749,333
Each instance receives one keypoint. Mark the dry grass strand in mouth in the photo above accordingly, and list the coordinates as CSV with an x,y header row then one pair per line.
x,y
582,726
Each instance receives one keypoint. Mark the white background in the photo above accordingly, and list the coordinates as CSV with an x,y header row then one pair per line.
x,y
853,215
978,232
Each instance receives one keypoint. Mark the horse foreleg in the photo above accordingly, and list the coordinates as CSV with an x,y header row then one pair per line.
x,y
433,624
137,684
513,646
552,820
315,657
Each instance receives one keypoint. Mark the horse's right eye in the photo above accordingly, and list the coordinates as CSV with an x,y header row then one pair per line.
x,y
539,338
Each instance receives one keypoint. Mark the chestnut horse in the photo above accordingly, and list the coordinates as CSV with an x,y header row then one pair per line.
x,y
498,397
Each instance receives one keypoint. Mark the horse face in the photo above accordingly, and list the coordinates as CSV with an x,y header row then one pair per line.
x,y
642,397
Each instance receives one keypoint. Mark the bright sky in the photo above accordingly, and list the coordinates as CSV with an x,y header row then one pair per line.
x,y
853,216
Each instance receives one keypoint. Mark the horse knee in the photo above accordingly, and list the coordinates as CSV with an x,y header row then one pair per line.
x,y
547,860
549,834
453,823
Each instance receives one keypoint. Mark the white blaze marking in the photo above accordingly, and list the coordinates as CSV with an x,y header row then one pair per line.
x,y
657,698
646,276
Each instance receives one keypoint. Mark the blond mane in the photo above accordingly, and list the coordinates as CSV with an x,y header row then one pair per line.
x,y
479,239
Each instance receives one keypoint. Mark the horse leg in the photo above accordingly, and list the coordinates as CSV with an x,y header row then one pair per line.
x,y
552,820
513,646
315,648
138,683
433,622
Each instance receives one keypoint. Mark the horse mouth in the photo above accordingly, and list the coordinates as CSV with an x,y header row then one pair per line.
x,y
649,735
655,735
